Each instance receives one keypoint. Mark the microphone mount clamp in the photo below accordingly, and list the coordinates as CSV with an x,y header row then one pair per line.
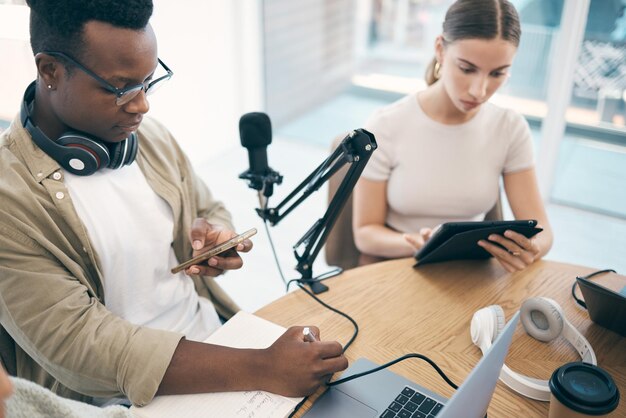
x,y
263,182
355,149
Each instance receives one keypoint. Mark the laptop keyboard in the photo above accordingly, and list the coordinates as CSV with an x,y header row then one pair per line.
x,y
411,404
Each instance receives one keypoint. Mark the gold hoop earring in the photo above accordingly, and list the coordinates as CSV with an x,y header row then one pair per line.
x,y
437,70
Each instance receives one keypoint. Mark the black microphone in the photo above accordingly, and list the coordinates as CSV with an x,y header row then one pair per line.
x,y
255,132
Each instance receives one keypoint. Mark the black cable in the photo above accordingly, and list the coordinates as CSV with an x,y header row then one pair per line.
x,y
298,406
324,276
327,306
329,274
289,283
384,366
588,276
576,298
337,311
391,363
320,278
356,329
334,272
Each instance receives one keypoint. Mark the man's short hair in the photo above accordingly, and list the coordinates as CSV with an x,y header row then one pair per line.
x,y
57,25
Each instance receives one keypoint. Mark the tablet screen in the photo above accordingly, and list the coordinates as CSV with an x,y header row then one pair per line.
x,y
458,240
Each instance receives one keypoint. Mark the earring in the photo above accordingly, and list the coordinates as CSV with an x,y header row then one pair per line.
x,y
437,70
49,86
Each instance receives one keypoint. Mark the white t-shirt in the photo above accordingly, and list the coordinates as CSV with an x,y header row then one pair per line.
x,y
439,173
131,229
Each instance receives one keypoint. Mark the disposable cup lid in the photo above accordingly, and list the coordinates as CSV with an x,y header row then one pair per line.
x,y
584,388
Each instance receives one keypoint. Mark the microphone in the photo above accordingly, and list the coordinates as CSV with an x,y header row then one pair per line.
x,y
255,132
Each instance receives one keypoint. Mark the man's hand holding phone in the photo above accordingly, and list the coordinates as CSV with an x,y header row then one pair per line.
x,y
204,236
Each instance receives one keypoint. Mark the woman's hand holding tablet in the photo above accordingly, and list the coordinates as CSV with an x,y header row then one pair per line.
x,y
509,241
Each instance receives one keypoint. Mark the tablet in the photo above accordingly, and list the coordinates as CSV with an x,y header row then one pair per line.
x,y
459,240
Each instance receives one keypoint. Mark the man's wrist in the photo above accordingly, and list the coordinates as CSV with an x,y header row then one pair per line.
x,y
257,370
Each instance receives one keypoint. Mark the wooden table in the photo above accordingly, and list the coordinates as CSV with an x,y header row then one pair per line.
x,y
428,310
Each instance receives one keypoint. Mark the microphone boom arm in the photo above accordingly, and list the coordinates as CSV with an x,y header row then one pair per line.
x,y
356,149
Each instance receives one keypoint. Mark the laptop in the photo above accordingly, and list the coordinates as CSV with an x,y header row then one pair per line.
x,y
388,395
606,307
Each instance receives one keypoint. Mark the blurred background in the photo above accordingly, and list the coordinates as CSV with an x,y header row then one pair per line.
x,y
320,67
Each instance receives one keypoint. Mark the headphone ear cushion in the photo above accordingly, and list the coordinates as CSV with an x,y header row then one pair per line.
x,y
118,151
123,152
133,147
500,320
80,141
542,318
486,324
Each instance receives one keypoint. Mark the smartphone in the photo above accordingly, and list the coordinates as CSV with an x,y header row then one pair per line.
x,y
218,249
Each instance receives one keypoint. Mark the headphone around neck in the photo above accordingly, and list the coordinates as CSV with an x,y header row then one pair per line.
x,y
77,152
542,319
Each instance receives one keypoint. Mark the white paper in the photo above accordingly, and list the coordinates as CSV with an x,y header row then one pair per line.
x,y
243,330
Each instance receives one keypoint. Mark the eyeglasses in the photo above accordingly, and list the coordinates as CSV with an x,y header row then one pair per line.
x,y
126,94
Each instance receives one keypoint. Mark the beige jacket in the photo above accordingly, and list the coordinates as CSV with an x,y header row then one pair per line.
x,y
56,330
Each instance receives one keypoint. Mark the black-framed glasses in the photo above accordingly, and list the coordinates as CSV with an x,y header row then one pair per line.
x,y
126,94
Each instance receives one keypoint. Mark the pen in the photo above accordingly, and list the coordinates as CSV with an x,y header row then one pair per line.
x,y
308,335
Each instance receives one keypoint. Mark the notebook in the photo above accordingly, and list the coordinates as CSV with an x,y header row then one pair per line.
x,y
243,330
386,394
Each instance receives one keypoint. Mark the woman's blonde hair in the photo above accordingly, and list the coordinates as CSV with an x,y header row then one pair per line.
x,y
477,19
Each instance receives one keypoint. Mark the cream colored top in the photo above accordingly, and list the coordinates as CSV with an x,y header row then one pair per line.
x,y
439,173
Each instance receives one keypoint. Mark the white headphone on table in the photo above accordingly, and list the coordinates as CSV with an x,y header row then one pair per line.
x,y
542,319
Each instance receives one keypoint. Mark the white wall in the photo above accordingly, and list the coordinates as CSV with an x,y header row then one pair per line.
x,y
201,105
309,54
17,68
